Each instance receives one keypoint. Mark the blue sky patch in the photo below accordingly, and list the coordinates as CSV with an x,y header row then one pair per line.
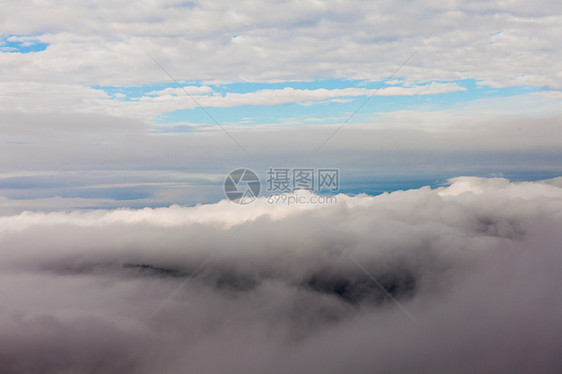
x,y
313,112
21,44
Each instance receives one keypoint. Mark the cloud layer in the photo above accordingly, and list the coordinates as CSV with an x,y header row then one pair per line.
x,y
262,288
501,43
496,44
462,278
60,161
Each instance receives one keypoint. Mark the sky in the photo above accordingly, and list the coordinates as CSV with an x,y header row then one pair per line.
x,y
155,105
126,128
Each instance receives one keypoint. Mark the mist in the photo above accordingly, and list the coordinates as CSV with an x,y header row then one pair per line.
x,y
463,278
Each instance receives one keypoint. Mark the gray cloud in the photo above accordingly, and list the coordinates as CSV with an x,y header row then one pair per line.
x,y
49,159
475,263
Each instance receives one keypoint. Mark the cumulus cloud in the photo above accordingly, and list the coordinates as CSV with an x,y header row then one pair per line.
x,y
274,288
500,43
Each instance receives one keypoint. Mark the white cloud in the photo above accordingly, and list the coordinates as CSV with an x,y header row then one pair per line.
x,y
56,97
503,44
124,290
289,95
194,90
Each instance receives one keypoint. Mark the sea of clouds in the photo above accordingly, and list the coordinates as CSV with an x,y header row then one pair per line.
x,y
464,278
